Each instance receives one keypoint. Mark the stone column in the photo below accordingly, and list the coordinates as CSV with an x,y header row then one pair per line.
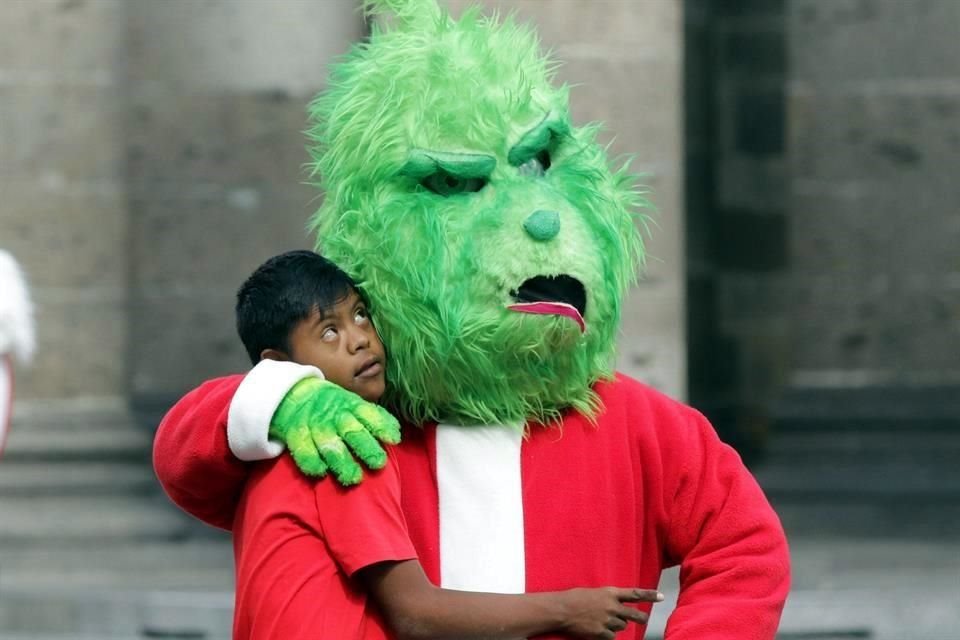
x,y
63,212
737,223
217,94
624,58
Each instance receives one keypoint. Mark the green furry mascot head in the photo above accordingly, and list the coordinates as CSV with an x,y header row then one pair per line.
x,y
492,238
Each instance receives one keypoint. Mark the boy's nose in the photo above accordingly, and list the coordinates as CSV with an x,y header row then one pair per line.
x,y
360,340
542,225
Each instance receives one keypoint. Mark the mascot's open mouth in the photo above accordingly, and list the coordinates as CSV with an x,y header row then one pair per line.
x,y
552,295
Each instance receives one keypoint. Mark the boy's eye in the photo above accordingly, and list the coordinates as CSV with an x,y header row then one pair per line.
x,y
361,316
328,334
446,184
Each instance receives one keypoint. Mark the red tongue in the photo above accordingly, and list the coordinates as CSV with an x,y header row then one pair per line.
x,y
551,309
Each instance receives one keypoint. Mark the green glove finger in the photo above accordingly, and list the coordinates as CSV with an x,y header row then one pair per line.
x,y
304,451
362,443
322,423
337,457
379,422
295,408
278,431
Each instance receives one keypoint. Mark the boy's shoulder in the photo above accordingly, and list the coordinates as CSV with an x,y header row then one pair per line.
x,y
282,476
278,485
279,491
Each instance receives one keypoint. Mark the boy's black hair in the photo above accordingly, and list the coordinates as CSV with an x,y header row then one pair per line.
x,y
282,292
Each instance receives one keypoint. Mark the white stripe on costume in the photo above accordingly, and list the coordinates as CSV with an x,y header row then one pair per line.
x,y
481,508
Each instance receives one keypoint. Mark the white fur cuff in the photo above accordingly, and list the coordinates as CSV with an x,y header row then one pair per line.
x,y
253,406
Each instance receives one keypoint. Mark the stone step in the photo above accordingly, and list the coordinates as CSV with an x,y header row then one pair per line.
x,y
876,407
888,446
854,563
112,613
73,413
97,441
828,479
27,635
878,425
876,520
190,564
846,588
72,478
87,520
888,590
76,429
864,613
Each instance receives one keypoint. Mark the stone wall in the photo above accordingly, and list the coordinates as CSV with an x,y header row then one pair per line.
x,y
737,231
874,115
823,219
150,157
216,103
63,213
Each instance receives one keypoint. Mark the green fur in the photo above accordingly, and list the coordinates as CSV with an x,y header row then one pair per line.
x,y
435,97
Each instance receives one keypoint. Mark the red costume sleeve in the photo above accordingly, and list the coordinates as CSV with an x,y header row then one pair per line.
x,y
734,563
191,454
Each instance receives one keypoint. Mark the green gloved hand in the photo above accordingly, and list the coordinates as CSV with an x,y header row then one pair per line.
x,y
321,423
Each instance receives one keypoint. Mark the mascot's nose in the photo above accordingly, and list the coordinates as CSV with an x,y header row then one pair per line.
x,y
542,225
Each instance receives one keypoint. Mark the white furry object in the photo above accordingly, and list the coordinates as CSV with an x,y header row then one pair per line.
x,y
16,311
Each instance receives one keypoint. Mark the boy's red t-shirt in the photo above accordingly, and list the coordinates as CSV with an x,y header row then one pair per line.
x,y
298,543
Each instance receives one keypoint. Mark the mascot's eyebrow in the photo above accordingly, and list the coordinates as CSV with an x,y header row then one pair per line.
x,y
537,139
422,163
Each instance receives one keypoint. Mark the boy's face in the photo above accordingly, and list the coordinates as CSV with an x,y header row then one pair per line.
x,y
343,343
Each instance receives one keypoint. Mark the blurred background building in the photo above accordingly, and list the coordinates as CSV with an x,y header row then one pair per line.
x,y
803,286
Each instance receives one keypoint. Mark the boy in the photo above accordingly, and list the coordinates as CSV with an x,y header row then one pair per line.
x,y
308,553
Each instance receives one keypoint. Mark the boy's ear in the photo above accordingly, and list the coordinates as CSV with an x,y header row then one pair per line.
x,y
274,354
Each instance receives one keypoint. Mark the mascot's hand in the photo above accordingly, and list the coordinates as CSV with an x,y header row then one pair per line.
x,y
322,423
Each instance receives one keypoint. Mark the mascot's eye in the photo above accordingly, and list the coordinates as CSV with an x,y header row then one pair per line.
x,y
445,184
536,166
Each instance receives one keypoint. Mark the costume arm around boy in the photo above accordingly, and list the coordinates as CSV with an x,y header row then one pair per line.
x,y
202,445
